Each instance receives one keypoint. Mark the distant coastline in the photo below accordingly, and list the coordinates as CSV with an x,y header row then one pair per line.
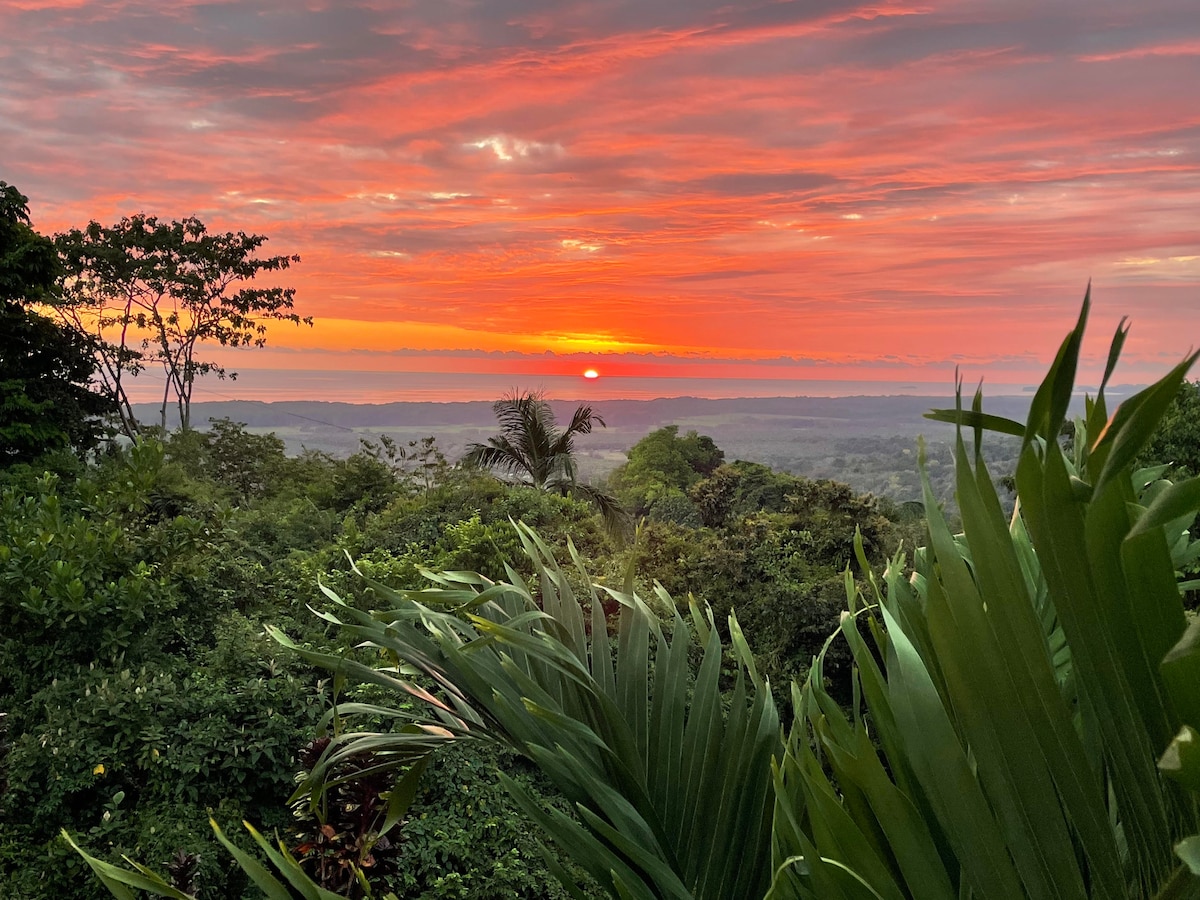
x,y
869,442
372,387
900,412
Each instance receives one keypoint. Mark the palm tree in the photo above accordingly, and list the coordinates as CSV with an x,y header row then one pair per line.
x,y
532,449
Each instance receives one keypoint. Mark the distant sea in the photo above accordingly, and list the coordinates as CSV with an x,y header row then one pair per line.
x,y
393,387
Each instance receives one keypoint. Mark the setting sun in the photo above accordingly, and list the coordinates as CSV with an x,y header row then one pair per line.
x,y
591,373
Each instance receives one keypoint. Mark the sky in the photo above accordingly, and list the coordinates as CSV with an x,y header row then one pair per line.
x,y
825,190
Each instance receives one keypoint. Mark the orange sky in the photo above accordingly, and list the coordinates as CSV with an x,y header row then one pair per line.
x,y
878,190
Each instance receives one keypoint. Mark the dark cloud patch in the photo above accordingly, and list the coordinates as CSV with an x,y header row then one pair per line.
x,y
542,23
258,59
1049,31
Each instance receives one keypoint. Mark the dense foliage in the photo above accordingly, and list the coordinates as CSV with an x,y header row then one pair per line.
x,y
1023,720
135,680
140,689
46,401
662,467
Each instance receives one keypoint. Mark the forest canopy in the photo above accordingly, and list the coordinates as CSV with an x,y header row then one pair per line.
x,y
429,681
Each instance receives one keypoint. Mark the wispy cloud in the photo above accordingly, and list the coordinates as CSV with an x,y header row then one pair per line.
x,y
834,179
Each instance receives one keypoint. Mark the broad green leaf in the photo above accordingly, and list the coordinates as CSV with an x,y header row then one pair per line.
x,y
932,749
1181,761
271,887
972,419
118,880
402,794
1053,396
1181,672
1189,851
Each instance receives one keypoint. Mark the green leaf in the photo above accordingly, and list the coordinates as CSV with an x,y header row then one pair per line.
x,y
1181,761
402,794
118,880
1189,851
932,749
1053,396
972,419
272,888
1133,424
1181,673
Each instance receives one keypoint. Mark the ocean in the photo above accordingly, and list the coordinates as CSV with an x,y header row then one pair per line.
x,y
443,387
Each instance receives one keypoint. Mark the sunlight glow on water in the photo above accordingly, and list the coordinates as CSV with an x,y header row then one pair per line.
x,y
392,387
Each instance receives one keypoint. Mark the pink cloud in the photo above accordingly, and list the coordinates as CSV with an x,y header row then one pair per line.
x,y
734,180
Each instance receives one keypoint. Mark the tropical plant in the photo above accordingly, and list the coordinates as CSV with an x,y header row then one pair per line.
x,y
1017,690
531,448
671,793
119,881
670,780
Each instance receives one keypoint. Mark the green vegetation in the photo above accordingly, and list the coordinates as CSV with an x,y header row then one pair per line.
x,y
494,695
533,450
45,400
662,467
1174,452
1022,719
141,692
1176,441
1021,688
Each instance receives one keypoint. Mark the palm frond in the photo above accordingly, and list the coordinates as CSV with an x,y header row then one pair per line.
x,y
1013,685
583,420
119,881
530,441
617,520
498,453
671,792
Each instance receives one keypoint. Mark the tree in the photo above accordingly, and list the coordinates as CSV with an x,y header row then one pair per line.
x,y
46,401
249,466
531,448
662,467
1177,439
150,292
741,487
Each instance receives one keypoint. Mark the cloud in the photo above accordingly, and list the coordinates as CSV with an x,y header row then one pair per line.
x,y
747,180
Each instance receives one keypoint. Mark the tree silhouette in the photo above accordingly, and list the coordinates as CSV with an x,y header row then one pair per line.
x,y
47,399
151,292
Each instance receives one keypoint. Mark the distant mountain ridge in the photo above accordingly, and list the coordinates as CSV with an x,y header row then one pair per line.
x,y
869,442
622,413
